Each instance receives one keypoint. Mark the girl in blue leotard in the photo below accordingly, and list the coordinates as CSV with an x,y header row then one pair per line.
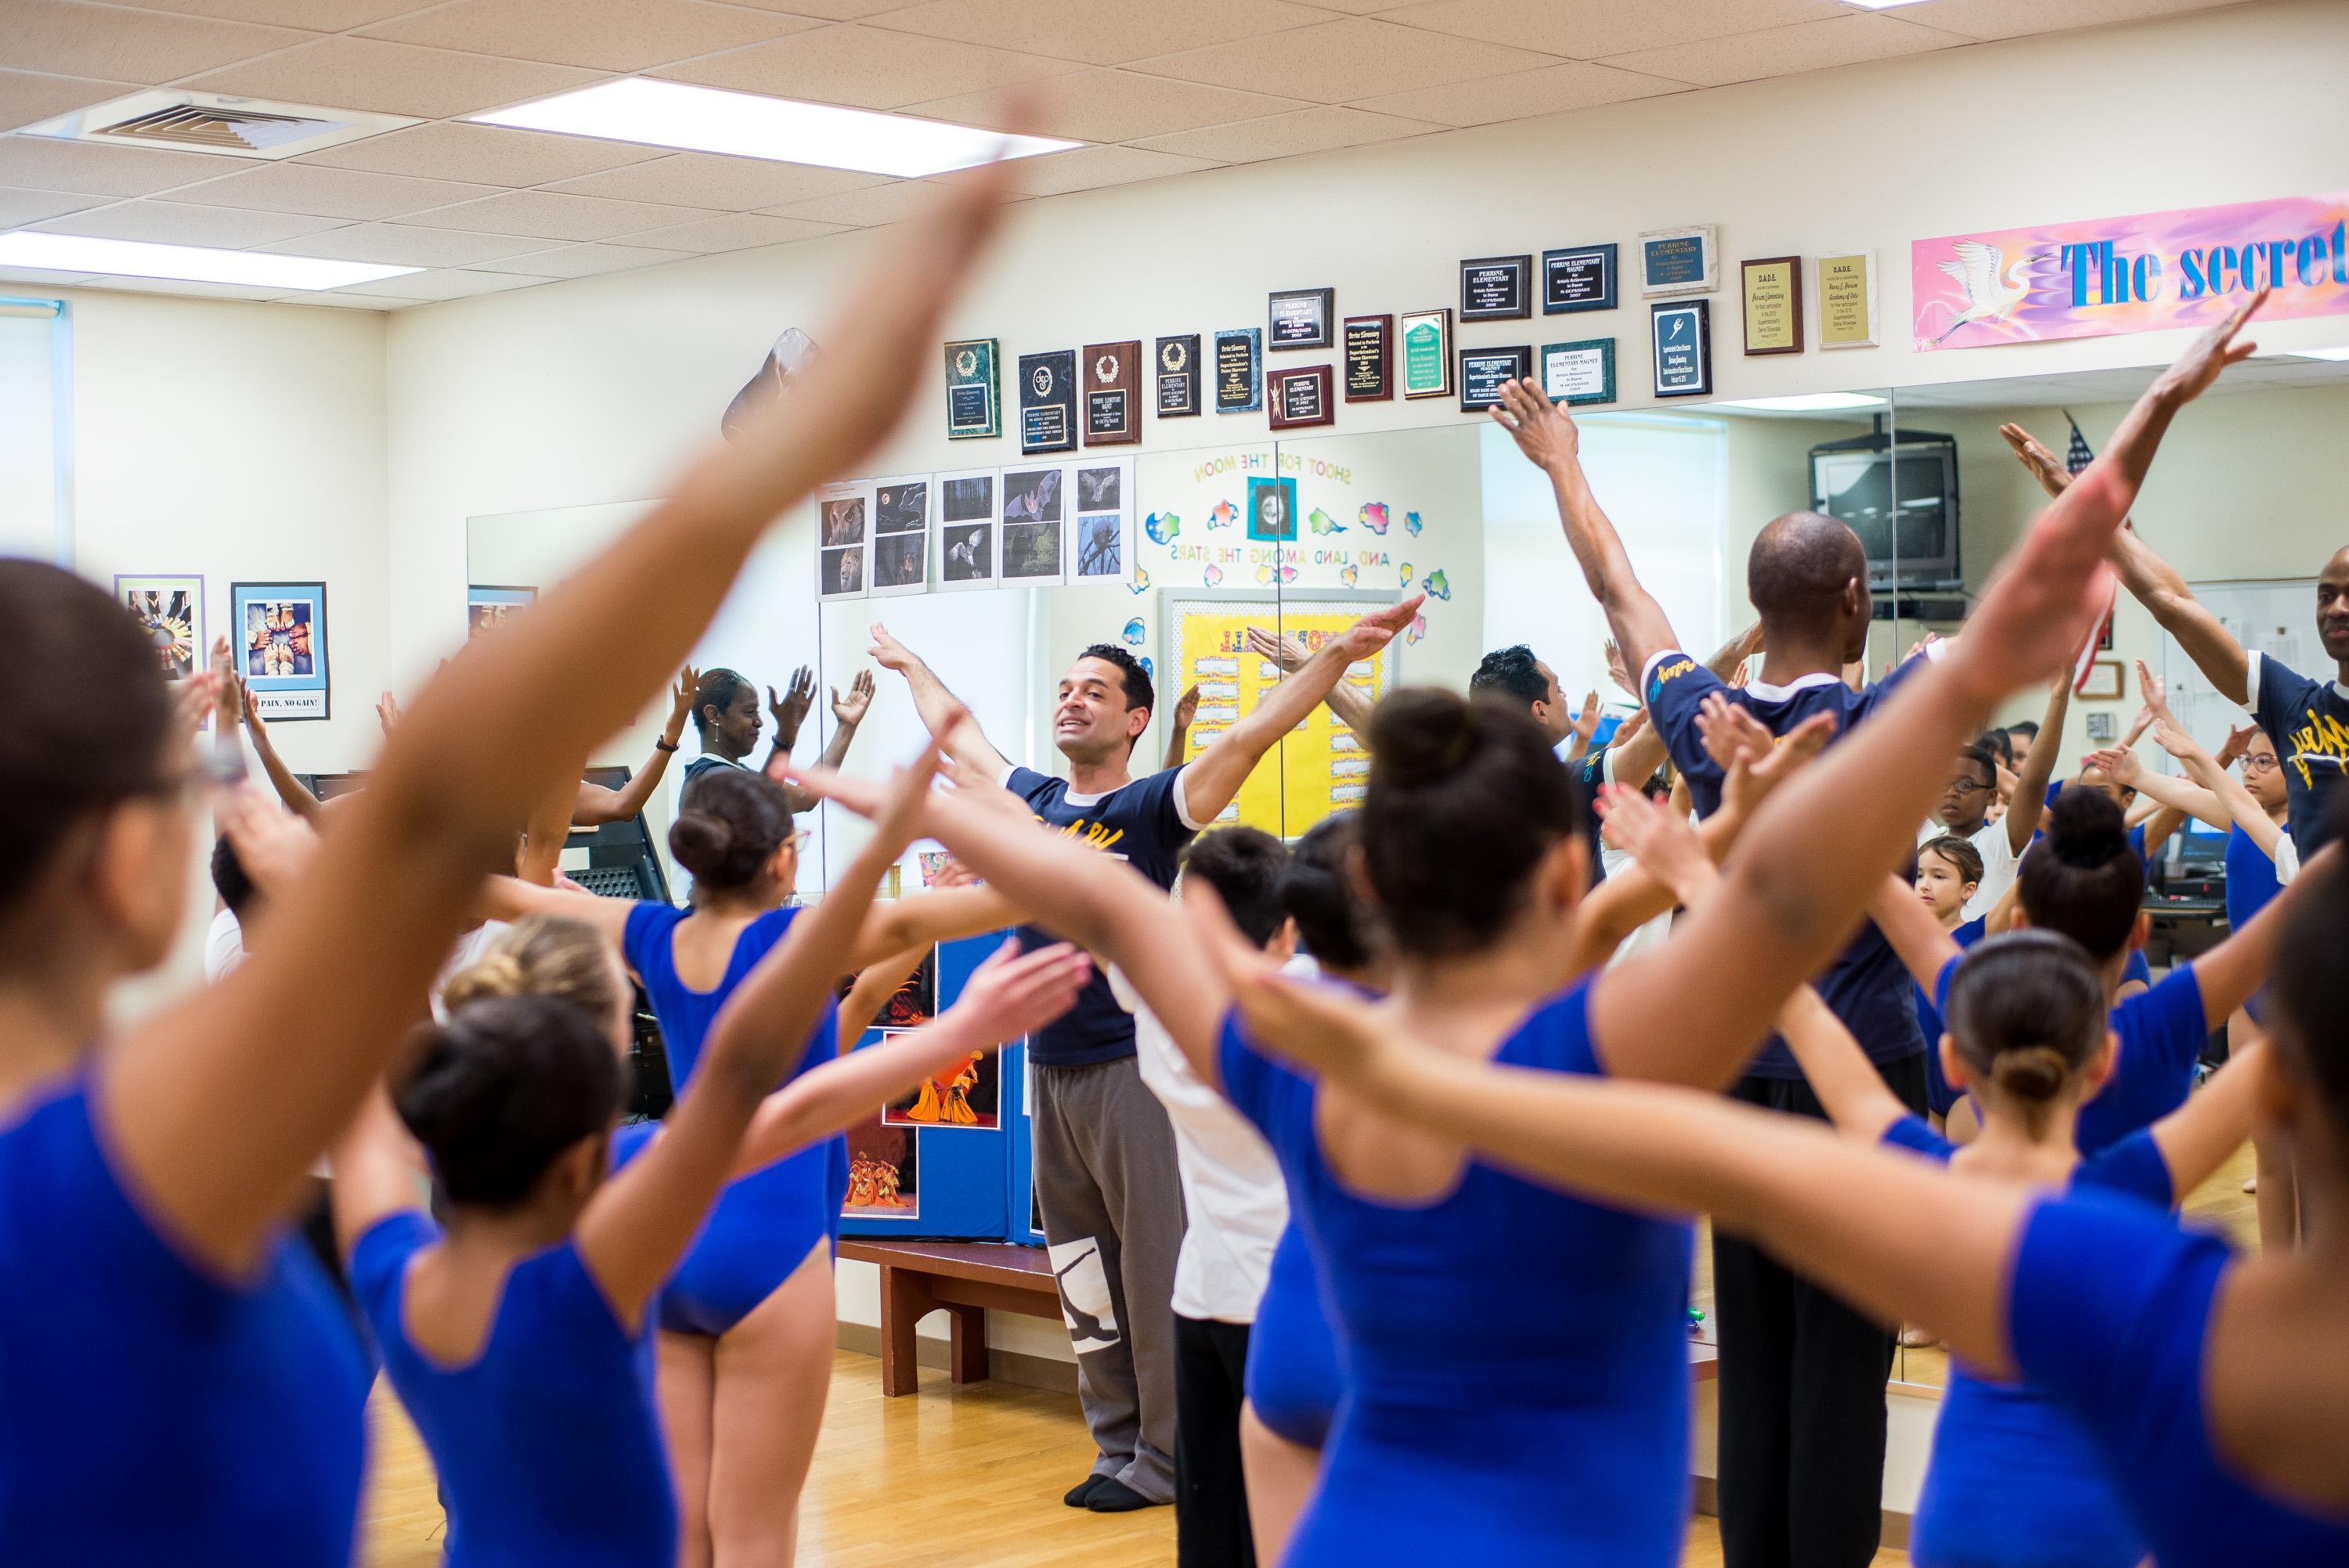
x,y
2014,1482
516,1336
758,1279
1558,1432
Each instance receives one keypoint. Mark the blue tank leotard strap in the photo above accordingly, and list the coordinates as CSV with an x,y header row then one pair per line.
x,y
764,1225
1517,1373
149,1412
2110,1310
1293,1380
548,1444
2014,1481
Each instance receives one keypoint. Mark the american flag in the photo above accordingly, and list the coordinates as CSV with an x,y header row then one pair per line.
x,y
2076,457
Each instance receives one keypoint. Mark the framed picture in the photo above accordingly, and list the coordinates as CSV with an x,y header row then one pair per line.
x,y
1497,288
1104,525
489,606
2104,683
1581,277
1427,353
843,520
901,535
1034,512
1300,318
967,1095
1682,335
883,1171
967,544
1679,260
1483,370
1773,287
1301,396
170,610
280,639
1271,510
974,399
1578,374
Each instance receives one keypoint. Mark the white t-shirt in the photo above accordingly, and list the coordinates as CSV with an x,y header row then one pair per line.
x,y
1998,858
1232,1192
1655,933
223,947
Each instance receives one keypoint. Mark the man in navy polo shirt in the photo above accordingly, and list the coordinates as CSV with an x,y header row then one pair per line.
x,y
1104,1152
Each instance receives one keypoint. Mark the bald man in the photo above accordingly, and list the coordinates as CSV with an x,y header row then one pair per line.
x,y
1802,1374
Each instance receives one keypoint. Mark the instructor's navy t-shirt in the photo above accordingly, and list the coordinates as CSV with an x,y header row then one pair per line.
x,y
2309,722
1867,985
1144,824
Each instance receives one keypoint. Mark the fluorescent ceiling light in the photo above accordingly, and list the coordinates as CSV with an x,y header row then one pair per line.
x,y
186,264
746,125
1809,402
1879,4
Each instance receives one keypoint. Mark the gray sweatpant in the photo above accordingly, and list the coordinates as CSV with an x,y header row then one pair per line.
x,y
1112,1204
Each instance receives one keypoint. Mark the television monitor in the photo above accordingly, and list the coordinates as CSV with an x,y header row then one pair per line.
x,y
1900,496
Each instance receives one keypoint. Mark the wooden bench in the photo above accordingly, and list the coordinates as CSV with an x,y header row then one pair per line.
x,y
965,1280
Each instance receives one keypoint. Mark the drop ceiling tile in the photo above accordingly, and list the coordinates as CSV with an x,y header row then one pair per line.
x,y
2012,18
1586,29
1552,89
830,10
75,39
601,35
32,206
406,245
1101,32
342,301
732,232
1289,135
1340,61
480,154
547,216
40,277
865,67
1088,168
180,223
319,191
393,78
720,183
864,209
1115,106
452,283
245,291
37,163
323,15
583,261
1784,51
26,99
1356,7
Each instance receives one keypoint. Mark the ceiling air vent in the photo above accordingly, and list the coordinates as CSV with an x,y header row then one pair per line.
x,y
207,122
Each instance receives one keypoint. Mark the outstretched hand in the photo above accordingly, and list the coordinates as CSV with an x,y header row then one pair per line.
x,y
1289,652
1377,629
791,709
1751,778
1728,730
2238,745
2118,763
888,652
1013,995
275,847
386,713
1618,672
2155,692
2044,466
1325,1028
851,709
1660,842
190,702
1186,707
1543,430
1586,722
2193,372
680,703
2174,739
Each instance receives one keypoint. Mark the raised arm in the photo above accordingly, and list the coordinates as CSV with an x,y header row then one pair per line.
x,y
638,1224
2167,793
378,1171
595,805
1839,1072
397,872
847,713
1924,948
941,713
1546,434
290,789
1008,996
2228,974
1178,727
2203,1134
2241,809
1349,704
1213,780
2038,764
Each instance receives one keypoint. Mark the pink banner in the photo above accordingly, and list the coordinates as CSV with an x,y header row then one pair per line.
x,y
2100,276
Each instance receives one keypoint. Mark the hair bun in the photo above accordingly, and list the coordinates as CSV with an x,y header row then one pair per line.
x,y
1419,735
701,842
445,1098
2030,1073
494,974
2087,827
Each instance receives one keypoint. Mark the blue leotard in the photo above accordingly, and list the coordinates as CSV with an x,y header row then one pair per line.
x,y
2250,883
1293,1380
547,1443
2109,1310
2015,1482
1517,1360
150,1412
764,1225
2162,1033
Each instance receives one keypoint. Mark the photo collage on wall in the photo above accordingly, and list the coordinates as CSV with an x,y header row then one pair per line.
x,y
1036,524
966,550
1104,528
844,517
883,1171
280,635
901,536
170,610
1034,514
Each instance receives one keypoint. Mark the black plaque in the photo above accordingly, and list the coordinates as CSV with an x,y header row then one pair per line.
x,y
1300,318
1370,359
1178,377
1497,288
1048,401
1239,358
1580,278
1482,371
1301,397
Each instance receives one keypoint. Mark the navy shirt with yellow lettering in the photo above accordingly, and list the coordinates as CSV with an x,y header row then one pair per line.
x,y
1866,986
1144,824
2309,723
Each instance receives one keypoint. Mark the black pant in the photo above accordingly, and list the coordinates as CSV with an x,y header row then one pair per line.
x,y
1211,1511
1800,1391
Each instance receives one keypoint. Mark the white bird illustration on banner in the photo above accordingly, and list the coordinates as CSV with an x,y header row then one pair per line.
x,y
1993,288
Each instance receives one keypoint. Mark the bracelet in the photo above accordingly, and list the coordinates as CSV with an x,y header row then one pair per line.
x,y
667,746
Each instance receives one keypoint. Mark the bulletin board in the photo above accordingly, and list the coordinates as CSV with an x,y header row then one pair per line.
x,y
1320,766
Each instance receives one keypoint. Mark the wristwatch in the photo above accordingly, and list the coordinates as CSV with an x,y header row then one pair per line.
x,y
670,745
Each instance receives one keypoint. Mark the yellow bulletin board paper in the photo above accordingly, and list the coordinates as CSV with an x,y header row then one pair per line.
x,y
1318,767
